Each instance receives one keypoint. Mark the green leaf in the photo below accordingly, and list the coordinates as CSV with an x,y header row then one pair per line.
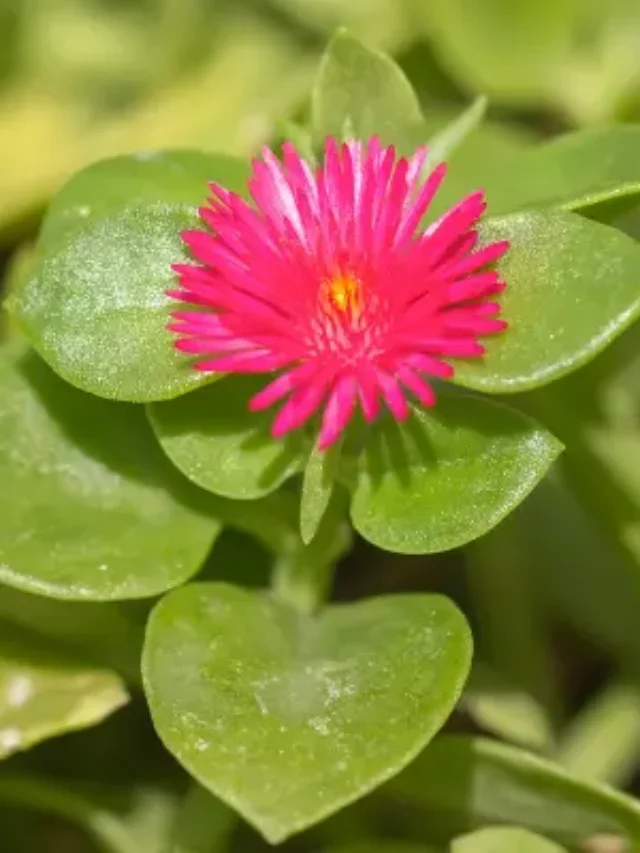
x,y
577,171
447,140
448,475
473,781
280,714
213,438
359,93
571,289
504,839
95,305
377,846
105,634
317,487
104,825
511,51
149,177
602,741
203,824
506,709
43,695
89,507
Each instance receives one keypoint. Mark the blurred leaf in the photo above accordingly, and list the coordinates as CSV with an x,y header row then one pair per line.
x,y
576,171
506,709
377,846
104,634
444,143
603,741
90,509
51,796
565,548
216,441
511,51
571,290
504,839
412,475
203,823
360,93
475,782
280,714
255,71
43,695
382,22
516,637
95,305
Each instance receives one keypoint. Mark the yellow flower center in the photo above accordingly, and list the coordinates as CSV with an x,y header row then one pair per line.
x,y
343,292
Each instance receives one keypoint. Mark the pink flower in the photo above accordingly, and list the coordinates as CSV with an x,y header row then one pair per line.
x,y
329,279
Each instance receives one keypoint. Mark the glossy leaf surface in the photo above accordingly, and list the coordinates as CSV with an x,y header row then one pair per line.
x,y
216,441
279,714
571,289
95,305
448,475
89,508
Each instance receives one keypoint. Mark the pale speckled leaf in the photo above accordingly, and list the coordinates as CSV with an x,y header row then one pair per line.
x,y
279,714
42,695
95,305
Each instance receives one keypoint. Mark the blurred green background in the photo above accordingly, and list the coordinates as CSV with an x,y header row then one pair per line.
x,y
559,658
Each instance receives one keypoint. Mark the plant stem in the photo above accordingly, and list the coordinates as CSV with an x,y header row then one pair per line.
x,y
53,798
303,574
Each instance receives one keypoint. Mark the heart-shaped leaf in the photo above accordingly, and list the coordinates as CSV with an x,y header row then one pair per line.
x,y
95,305
280,714
572,287
213,438
476,781
89,506
43,695
504,839
447,476
360,93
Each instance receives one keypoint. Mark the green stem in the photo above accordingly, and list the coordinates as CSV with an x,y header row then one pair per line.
x,y
53,798
303,574
301,582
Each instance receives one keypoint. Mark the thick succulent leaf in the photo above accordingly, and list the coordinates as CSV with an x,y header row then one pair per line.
x,y
448,475
218,443
95,305
279,714
89,507
572,287
360,93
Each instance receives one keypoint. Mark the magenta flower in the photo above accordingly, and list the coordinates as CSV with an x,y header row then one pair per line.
x,y
329,280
